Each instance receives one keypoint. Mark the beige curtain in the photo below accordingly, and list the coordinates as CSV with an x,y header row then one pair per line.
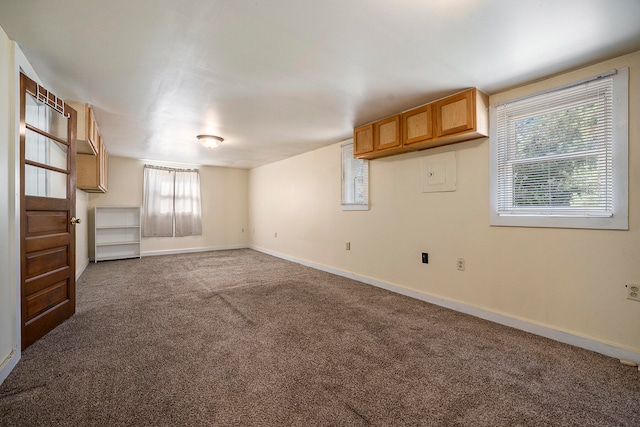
x,y
157,203
187,204
171,202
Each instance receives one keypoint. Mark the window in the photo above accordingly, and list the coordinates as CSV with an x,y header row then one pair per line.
x,y
559,158
171,202
355,181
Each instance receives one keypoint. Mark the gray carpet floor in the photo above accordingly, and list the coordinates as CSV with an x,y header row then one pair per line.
x,y
243,338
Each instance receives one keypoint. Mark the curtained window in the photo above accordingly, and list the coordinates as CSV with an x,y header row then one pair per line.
x,y
171,202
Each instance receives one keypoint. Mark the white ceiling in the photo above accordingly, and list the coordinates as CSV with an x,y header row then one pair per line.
x,y
276,78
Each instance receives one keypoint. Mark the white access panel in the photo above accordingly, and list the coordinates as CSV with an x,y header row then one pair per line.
x,y
438,172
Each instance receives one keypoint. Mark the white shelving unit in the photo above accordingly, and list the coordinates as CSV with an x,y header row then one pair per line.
x,y
117,232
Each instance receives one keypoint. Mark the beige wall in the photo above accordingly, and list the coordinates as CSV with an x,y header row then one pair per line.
x,y
7,251
224,206
568,280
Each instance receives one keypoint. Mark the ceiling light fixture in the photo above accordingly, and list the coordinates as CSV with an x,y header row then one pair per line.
x,y
210,141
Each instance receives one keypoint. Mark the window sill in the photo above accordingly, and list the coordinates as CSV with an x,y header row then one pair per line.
x,y
616,222
355,207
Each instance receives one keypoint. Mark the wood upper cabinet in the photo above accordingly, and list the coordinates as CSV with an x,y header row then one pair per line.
x,y
462,116
363,140
454,114
417,125
386,134
92,171
87,130
379,139
92,160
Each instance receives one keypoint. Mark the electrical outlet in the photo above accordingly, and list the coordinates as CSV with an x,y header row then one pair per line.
x,y
348,246
461,264
633,292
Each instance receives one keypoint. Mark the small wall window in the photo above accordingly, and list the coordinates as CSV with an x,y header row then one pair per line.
x,y
560,158
355,180
171,204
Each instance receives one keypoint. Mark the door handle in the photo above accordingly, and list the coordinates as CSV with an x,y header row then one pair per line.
x,y
75,220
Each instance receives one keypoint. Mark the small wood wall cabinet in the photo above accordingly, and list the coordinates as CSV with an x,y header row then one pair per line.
x,y
92,171
363,140
387,136
417,125
92,159
87,132
117,232
460,117
379,139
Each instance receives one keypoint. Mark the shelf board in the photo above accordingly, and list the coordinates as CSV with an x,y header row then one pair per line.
x,y
115,257
118,243
113,227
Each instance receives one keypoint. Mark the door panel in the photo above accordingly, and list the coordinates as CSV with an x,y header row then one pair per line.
x,y
36,327
44,261
39,283
46,222
39,243
55,294
47,204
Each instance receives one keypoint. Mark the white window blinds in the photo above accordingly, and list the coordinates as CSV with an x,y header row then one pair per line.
x,y
355,180
554,152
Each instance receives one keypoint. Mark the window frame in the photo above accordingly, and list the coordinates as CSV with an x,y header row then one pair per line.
x,y
619,220
351,205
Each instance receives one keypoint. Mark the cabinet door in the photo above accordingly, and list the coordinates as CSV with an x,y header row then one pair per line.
x,y
91,171
363,140
92,128
417,125
104,167
455,114
387,134
86,129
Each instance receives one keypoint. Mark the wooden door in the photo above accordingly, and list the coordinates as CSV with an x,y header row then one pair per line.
x,y
47,208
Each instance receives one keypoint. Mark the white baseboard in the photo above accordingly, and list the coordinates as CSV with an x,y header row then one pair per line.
x,y
503,319
80,270
8,364
192,250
